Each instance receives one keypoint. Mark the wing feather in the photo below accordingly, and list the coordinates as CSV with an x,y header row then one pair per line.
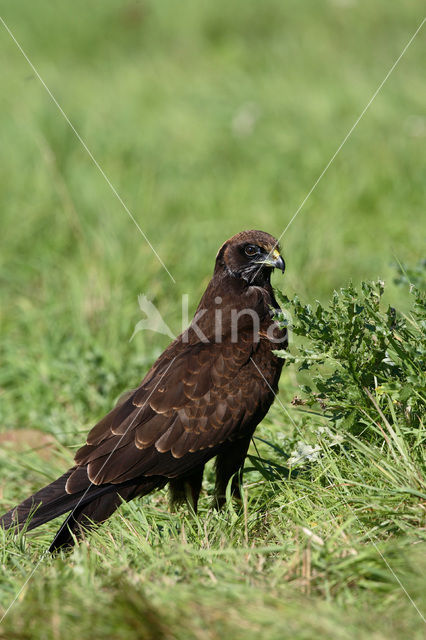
x,y
186,406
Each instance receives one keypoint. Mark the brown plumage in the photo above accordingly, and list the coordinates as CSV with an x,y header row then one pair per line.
x,y
203,397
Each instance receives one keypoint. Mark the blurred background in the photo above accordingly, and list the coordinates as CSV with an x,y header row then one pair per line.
x,y
207,119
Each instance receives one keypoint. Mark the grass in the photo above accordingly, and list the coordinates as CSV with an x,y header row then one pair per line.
x,y
207,120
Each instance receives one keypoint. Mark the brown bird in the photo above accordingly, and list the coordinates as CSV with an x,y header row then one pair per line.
x,y
203,397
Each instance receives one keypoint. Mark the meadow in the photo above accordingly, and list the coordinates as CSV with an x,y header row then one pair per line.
x,y
206,119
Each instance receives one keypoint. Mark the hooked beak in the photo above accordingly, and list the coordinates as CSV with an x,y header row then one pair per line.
x,y
274,260
279,263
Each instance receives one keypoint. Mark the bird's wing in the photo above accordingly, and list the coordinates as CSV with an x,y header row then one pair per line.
x,y
190,403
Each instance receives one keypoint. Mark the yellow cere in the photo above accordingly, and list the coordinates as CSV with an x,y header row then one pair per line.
x,y
275,254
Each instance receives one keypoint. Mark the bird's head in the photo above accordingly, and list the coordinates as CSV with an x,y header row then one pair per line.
x,y
250,255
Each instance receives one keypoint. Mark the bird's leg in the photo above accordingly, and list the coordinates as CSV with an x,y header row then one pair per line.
x,y
230,463
186,489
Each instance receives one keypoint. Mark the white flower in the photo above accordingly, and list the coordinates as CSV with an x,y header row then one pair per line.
x,y
303,453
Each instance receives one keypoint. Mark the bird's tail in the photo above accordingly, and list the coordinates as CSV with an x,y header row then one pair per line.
x,y
42,506
88,514
92,505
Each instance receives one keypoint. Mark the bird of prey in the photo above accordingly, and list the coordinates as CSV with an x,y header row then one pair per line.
x,y
202,398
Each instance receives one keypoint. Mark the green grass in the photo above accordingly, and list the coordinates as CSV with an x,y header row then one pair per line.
x,y
208,118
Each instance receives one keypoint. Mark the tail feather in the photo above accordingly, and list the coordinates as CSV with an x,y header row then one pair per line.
x,y
50,502
91,505
42,506
99,509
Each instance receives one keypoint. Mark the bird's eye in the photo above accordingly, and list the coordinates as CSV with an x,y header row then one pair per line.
x,y
251,250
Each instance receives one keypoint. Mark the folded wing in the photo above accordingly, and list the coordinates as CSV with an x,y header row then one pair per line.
x,y
195,398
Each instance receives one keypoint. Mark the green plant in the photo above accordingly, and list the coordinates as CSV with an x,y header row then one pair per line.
x,y
364,370
363,360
